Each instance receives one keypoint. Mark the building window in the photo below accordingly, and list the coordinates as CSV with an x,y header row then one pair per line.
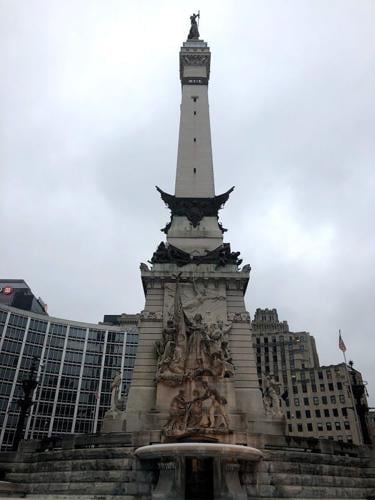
x,y
333,399
324,400
296,401
295,389
322,388
308,413
317,413
309,427
299,428
288,414
342,398
290,428
330,386
335,412
194,98
320,426
344,412
195,113
320,375
339,386
329,426
306,401
298,414
304,388
313,388
316,400
329,375
338,426
326,412
195,139
347,425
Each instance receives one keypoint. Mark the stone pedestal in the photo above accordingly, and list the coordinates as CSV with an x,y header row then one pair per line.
x,y
114,421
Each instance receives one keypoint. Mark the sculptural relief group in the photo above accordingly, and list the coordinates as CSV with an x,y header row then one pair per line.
x,y
193,355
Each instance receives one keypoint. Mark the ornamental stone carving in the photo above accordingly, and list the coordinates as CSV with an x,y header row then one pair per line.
x,y
204,413
221,256
195,208
193,355
195,59
271,398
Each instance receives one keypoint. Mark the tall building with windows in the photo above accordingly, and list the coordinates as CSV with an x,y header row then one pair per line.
x,y
76,365
17,293
319,401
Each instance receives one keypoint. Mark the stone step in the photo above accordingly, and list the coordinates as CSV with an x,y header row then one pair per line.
x,y
316,480
72,476
95,488
11,490
88,497
304,498
83,465
79,454
318,458
307,492
309,480
309,468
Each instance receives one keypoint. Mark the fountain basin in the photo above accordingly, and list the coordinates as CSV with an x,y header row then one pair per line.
x,y
199,450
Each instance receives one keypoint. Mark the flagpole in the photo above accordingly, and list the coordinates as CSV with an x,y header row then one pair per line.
x,y
359,430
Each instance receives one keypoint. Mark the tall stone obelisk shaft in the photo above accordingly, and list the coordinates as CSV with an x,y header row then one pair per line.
x,y
195,176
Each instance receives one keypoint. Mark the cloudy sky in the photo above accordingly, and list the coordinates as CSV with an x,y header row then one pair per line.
x,y
89,101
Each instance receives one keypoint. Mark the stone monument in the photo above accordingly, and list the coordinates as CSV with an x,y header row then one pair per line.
x,y
195,373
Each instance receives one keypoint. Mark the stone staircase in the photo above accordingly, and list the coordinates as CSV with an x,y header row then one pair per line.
x,y
73,471
104,467
306,474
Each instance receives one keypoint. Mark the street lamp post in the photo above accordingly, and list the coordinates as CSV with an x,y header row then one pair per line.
x,y
25,404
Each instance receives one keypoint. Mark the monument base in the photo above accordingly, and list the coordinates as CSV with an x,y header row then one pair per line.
x,y
114,421
109,465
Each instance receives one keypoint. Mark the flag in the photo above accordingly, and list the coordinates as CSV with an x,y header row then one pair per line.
x,y
342,345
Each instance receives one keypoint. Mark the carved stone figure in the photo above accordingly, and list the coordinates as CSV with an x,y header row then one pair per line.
x,y
195,411
246,268
216,417
194,33
204,413
197,341
177,413
143,267
115,394
271,399
165,348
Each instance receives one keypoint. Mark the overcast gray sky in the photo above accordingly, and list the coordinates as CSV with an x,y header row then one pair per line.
x,y
89,97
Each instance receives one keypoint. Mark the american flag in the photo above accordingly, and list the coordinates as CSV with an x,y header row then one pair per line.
x,y
342,345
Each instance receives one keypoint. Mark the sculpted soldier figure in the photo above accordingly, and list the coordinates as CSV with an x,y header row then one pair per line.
x,y
165,348
177,413
115,388
271,398
194,33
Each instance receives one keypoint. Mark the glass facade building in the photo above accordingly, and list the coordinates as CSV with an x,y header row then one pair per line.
x,y
76,364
